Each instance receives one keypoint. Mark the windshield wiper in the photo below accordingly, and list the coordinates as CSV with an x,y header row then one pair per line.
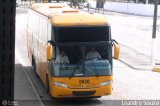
x,y
72,74
93,64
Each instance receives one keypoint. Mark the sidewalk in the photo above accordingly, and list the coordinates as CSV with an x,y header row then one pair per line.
x,y
137,60
25,94
134,59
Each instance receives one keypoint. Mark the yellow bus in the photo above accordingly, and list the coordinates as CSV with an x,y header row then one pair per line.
x,y
53,28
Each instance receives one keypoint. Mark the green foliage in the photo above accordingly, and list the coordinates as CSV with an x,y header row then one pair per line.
x,y
76,3
79,1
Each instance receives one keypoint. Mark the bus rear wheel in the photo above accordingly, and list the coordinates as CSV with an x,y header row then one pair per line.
x,y
34,66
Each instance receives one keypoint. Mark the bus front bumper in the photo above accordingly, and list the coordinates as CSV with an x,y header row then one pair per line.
x,y
60,92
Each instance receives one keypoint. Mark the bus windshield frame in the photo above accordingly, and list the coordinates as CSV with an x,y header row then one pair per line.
x,y
83,36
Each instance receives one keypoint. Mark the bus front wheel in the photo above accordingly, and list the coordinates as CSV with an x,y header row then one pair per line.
x,y
34,66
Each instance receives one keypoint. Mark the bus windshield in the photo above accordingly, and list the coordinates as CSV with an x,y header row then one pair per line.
x,y
82,60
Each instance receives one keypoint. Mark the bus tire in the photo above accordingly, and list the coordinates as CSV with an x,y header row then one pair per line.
x,y
34,66
98,96
32,62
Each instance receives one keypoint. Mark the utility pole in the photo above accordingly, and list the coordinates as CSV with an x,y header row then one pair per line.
x,y
154,33
146,1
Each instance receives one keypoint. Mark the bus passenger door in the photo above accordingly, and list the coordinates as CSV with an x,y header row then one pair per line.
x,y
42,49
29,44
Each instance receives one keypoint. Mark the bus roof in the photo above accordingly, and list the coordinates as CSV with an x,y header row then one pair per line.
x,y
61,15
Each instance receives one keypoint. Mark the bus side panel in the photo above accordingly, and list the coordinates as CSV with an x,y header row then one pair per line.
x,y
29,44
36,52
43,65
29,35
35,38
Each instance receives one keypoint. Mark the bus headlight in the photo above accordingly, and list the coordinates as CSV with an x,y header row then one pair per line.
x,y
61,84
106,83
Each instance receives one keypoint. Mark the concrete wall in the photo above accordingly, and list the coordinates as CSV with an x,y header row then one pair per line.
x,y
131,8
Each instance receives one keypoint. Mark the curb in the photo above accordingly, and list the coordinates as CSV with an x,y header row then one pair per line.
x,y
156,69
133,67
39,99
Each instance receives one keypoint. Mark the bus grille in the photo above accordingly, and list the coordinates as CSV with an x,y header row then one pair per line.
x,y
84,93
82,86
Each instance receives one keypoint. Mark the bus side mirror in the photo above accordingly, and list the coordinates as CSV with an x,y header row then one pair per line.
x,y
116,51
49,53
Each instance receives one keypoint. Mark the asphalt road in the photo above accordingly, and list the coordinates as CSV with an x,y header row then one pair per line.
x,y
128,84
49,101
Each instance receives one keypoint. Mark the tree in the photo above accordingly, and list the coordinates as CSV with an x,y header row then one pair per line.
x,y
73,3
76,3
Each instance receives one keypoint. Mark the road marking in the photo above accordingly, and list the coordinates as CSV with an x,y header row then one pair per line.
x,y
21,61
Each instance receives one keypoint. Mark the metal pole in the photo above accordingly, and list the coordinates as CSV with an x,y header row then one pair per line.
x,y
146,2
155,19
154,32
49,1
88,6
